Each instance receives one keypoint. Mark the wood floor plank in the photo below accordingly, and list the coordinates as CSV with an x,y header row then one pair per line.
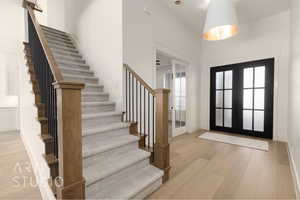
x,y
17,179
203,169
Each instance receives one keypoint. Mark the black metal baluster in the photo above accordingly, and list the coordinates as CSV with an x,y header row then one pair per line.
x,y
144,111
126,94
153,122
148,119
129,97
132,85
140,108
136,99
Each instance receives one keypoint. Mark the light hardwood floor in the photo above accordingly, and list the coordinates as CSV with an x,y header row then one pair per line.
x,y
203,169
16,176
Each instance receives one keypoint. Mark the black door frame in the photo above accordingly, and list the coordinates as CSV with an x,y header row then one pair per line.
x,y
237,103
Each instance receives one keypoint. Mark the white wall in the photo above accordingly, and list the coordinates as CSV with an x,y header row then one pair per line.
x,y
266,38
158,28
97,27
56,13
294,92
10,45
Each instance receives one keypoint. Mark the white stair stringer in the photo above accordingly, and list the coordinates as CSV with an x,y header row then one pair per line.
x,y
114,166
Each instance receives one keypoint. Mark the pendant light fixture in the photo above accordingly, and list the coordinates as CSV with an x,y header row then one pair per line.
x,y
221,21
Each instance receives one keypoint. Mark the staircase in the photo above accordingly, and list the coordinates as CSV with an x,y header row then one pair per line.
x,y
113,165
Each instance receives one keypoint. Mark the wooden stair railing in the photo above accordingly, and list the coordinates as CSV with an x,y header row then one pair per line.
x,y
147,111
59,113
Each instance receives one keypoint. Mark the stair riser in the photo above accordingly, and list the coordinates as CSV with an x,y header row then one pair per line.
x,y
93,89
96,109
69,59
73,66
79,73
62,44
65,47
56,35
112,133
81,80
98,121
91,160
149,190
61,48
104,183
66,53
57,38
51,30
95,98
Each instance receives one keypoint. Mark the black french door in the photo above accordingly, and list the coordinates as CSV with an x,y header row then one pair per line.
x,y
241,98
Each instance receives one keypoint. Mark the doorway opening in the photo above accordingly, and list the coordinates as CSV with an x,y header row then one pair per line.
x,y
242,98
171,73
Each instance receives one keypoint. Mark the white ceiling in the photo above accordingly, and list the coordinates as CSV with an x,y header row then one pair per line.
x,y
193,12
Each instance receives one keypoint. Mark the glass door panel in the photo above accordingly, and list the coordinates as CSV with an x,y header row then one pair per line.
x,y
254,98
179,98
168,84
223,99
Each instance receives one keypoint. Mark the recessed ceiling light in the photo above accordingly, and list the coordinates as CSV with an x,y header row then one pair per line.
x,y
177,2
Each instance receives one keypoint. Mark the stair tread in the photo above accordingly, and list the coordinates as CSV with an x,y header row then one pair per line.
x,y
64,52
63,44
50,28
79,76
77,70
51,35
54,34
112,164
66,57
102,114
105,128
67,49
71,63
98,103
55,46
59,41
94,93
93,147
93,85
56,37
130,186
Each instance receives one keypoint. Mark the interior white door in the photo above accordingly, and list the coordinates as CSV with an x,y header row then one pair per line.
x,y
179,98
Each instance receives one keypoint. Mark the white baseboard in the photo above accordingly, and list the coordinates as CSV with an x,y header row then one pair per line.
x,y
294,172
44,188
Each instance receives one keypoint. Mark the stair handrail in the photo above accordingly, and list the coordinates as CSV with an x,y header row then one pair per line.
x,y
160,148
49,55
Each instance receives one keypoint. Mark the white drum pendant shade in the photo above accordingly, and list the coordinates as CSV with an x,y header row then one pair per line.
x,y
221,21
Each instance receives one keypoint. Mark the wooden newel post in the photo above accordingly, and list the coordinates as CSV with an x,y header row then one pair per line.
x,y
70,140
161,146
